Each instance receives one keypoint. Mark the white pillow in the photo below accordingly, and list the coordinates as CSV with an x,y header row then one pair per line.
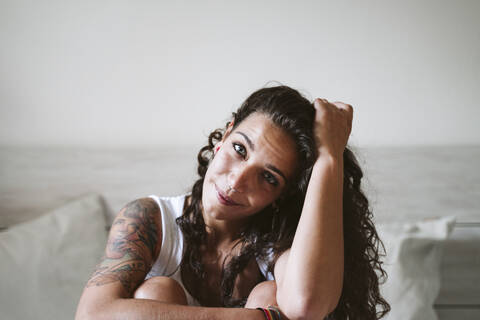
x,y
45,263
414,252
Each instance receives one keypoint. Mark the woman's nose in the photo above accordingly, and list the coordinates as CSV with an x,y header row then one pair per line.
x,y
239,179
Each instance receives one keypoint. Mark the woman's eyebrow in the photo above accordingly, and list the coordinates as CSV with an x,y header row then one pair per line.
x,y
250,143
273,168
269,166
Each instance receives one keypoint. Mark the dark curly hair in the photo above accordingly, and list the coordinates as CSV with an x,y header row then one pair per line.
x,y
268,232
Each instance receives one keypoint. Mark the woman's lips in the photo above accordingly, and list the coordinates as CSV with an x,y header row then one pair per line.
x,y
224,199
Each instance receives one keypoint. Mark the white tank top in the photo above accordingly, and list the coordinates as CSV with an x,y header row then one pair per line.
x,y
168,261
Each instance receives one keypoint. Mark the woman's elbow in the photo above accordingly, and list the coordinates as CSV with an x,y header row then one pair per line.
x,y
88,310
304,308
301,308
85,314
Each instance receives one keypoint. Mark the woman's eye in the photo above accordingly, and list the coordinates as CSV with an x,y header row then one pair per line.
x,y
240,149
270,178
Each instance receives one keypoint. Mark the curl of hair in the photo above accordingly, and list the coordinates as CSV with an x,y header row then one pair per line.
x,y
268,234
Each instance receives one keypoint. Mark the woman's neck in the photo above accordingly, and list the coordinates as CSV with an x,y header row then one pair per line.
x,y
222,239
222,235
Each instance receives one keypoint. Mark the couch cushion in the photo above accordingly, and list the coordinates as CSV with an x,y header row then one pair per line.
x,y
414,253
44,263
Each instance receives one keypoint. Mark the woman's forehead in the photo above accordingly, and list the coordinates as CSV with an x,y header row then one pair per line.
x,y
259,123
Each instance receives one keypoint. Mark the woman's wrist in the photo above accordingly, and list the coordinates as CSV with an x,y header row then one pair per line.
x,y
328,166
272,313
329,159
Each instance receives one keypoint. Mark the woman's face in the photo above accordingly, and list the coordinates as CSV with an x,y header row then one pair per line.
x,y
250,169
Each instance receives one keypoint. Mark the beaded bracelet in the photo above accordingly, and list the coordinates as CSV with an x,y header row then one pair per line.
x,y
276,311
271,313
267,313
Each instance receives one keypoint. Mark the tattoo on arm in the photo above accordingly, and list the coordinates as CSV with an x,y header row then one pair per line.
x,y
132,246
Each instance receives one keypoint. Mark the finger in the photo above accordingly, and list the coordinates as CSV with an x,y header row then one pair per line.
x,y
319,102
343,106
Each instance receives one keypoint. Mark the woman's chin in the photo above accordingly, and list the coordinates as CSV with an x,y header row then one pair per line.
x,y
218,211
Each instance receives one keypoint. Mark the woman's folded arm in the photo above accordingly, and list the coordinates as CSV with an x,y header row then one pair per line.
x,y
309,276
133,245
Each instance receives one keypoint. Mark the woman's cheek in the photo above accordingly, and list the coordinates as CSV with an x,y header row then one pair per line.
x,y
225,160
217,161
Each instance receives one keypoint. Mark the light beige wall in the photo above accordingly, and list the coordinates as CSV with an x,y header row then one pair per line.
x,y
122,73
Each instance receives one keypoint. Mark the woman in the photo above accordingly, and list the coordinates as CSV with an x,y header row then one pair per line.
x,y
276,221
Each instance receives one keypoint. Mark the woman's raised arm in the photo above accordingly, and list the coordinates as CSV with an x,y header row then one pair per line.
x,y
309,276
133,246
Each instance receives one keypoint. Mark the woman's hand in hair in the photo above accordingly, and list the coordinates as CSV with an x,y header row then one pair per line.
x,y
332,127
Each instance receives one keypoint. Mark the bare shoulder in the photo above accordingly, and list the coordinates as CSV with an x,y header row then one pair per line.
x,y
145,209
140,217
133,246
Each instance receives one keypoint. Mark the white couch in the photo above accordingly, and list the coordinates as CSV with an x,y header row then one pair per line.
x,y
57,203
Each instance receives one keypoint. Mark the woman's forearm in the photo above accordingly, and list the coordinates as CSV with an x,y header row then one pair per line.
x,y
150,309
314,267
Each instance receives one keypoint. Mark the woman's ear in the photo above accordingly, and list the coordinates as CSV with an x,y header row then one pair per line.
x,y
225,135
228,131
